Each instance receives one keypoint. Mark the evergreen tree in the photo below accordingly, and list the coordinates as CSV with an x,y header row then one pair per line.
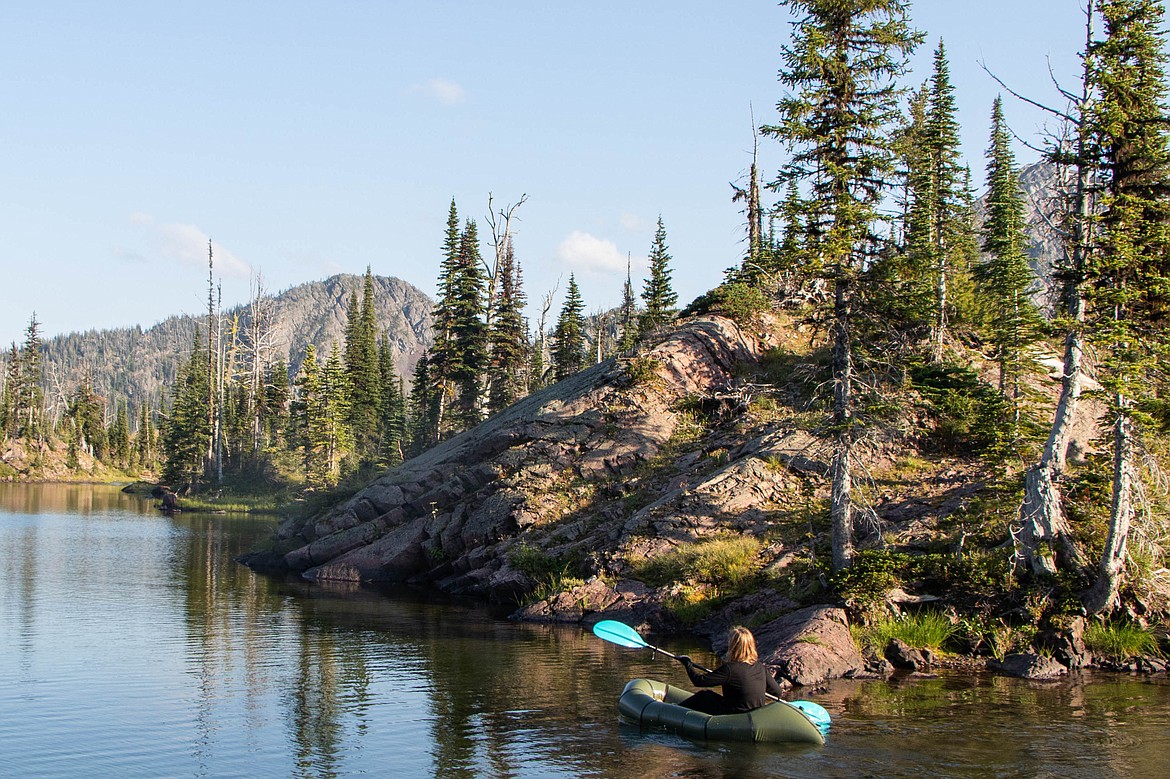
x,y
946,196
1129,284
391,406
9,413
277,393
841,66
657,293
468,360
1012,319
508,337
119,437
568,352
335,412
362,370
443,356
628,315
187,430
87,413
422,421
30,400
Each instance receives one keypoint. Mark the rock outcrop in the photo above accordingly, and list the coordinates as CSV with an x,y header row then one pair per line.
x,y
810,646
549,478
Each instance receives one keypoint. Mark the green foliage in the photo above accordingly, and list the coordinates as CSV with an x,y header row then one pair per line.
x,y
642,370
735,300
872,574
568,354
922,630
726,562
1121,640
970,416
551,573
657,294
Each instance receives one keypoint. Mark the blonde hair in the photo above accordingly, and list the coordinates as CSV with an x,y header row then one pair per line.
x,y
741,646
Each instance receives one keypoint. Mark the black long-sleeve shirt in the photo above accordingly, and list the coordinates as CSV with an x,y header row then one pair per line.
x,y
744,686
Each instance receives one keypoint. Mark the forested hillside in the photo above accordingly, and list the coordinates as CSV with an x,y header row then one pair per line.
x,y
137,364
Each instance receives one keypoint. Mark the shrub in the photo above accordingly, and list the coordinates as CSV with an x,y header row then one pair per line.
x,y
924,630
729,562
1122,639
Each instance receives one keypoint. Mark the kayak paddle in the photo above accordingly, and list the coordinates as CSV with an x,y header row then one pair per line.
x,y
623,635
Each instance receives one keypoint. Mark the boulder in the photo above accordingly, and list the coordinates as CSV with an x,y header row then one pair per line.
x,y
1026,665
810,646
902,655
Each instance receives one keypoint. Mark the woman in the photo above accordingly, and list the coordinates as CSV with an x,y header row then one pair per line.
x,y
743,677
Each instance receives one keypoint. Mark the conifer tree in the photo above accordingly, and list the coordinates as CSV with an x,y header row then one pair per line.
x,y
9,414
1129,289
30,398
442,358
946,195
1012,319
628,314
119,437
568,353
421,424
468,362
362,370
841,64
508,336
391,406
187,430
657,294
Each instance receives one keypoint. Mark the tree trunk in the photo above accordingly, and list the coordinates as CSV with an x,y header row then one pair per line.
x,y
1104,593
1042,520
841,500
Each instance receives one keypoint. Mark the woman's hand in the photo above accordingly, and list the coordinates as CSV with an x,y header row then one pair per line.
x,y
684,659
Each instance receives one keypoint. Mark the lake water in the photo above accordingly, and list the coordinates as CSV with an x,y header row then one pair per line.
x,y
131,645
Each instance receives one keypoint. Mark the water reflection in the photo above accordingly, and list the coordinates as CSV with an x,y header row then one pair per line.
x,y
132,645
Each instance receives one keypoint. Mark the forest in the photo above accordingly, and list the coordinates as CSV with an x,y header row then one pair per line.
x,y
868,233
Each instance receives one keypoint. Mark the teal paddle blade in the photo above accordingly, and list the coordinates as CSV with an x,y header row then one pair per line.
x,y
815,712
619,633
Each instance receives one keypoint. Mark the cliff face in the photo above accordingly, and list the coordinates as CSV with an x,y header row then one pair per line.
x,y
551,475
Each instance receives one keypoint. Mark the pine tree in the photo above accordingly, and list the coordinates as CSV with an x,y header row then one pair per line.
x,y
508,336
1129,292
568,352
119,437
657,293
946,195
30,395
422,421
1012,319
443,356
9,413
362,370
628,314
468,331
187,430
391,406
841,65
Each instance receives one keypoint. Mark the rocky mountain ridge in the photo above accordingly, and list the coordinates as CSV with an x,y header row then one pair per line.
x,y
136,364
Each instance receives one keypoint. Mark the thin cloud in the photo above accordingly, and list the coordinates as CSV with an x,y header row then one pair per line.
x,y
187,245
582,252
441,90
180,244
632,223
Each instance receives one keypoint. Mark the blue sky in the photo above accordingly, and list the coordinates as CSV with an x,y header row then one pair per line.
x,y
310,138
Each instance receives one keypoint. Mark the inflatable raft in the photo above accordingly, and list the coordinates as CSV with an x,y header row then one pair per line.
x,y
653,703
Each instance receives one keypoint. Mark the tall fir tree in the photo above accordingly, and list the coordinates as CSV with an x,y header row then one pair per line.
x,y
841,65
508,336
187,429
30,394
443,356
658,295
391,407
628,314
469,332
1012,320
568,353
362,371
